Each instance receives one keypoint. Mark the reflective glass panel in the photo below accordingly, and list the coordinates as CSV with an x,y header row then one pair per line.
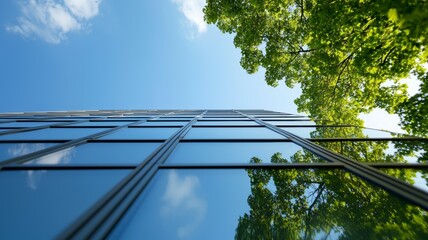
x,y
224,119
240,152
90,124
175,119
11,150
286,118
27,124
99,153
290,123
415,177
163,123
53,133
39,204
232,133
340,132
215,123
142,133
381,151
268,204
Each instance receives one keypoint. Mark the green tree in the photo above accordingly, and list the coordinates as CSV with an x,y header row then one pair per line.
x,y
318,203
347,56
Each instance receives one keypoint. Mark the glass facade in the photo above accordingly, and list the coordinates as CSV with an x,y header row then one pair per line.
x,y
207,174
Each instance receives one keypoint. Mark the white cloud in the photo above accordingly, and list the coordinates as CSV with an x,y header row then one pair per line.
x,y
83,8
180,198
51,20
192,10
59,157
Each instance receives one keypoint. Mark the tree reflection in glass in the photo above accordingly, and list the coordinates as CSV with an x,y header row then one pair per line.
x,y
324,204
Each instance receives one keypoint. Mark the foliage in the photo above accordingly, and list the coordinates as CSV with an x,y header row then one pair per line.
x,y
318,203
347,56
414,110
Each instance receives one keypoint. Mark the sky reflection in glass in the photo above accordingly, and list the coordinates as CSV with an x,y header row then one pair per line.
x,y
232,133
39,204
27,124
266,204
239,152
339,132
99,153
53,134
11,150
142,133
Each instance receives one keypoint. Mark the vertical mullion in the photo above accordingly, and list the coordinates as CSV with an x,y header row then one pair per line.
x,y
98,221
71,143
391,184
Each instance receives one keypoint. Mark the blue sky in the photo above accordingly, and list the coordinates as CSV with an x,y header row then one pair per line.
x,y
93,54
65,55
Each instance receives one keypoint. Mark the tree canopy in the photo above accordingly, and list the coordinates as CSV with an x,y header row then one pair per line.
x,y
327,204
347,56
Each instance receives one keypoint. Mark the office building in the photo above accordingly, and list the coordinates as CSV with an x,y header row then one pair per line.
x,y
207,174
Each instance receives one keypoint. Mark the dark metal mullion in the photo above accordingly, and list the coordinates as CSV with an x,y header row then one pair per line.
x,y
98,221
252,165
393,185
27,129
67,144
26,120
416,166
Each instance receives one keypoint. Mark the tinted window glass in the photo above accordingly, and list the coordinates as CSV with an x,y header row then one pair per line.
x,y
175,119
232,133
27,124
415,177
11,150
100,153
41,203
243,152
290,123
339,132
381,151
274,204
230,123
53,133
142,133
163,123
112,123
224,119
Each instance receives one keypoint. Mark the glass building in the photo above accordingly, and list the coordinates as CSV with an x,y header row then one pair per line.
x,y
207,174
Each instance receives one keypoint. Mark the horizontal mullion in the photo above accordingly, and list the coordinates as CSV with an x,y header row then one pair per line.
x,y
237,140
249,165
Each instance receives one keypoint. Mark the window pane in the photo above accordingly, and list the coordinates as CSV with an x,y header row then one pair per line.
x,y
142,133
290,123
415,177
241,152
11,150
381,151
53,133
90,124
214,123
27,124
340,132
163,123
99,153
232,133
41,203
224,119
270,204
175,119
287,118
